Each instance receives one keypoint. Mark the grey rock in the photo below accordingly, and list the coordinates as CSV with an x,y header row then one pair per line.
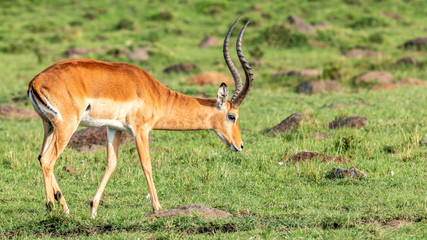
x,y
349,122
301,25
320,86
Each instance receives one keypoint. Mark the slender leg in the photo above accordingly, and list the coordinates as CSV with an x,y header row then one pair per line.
x,y
141,139
112,149
55,141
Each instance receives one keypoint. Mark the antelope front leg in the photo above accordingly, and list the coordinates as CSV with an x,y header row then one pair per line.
x,y
141,139
113,137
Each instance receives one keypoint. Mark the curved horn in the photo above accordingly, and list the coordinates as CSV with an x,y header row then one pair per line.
x,y
248,71
236,76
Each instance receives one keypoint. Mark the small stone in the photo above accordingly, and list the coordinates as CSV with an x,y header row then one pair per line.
x,y
349,122
305,156
209,41
211,78
139,54
423,142
342,172
408,61
190,210
321,86
417,43
291,122
180,68
301,25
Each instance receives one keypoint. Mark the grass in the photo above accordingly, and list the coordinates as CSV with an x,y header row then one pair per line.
x,y
267,200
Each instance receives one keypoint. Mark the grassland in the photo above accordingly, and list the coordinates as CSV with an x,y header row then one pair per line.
x,y
267,200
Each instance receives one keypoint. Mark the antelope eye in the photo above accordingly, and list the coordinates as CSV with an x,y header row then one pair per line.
x,y
231,117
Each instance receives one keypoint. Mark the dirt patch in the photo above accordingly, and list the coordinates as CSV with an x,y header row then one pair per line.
x,y
305,156
342,172
92,139
392,15
291,122
303,74
12,112
139,54
77,52
321,25
190,210
209,41
316,43
384,86
374,77
319,136
348,122
359,53
180,68
396,223
210,78
70,169
336,106
321,86
412,82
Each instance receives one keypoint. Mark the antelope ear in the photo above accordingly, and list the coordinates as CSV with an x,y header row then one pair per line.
x,y
222,96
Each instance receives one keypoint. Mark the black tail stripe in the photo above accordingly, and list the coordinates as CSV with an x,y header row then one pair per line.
x,y
40,100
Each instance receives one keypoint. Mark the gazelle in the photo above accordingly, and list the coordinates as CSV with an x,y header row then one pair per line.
x,y
124,97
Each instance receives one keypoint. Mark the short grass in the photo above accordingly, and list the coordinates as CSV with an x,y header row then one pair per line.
x,y
267,200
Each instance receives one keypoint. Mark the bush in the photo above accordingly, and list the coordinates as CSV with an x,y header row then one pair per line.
x,y
282,36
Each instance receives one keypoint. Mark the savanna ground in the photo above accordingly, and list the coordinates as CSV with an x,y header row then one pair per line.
x,y
267,200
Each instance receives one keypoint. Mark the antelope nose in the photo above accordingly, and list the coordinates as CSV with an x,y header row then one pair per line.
x,y
241,146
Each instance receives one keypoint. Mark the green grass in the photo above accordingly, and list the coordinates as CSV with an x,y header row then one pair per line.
x,y
267,200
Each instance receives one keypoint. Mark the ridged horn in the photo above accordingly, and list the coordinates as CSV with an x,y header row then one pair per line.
x,y
248,70
234,72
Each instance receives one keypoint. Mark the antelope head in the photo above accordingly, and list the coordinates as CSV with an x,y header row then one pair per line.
x,y
227,126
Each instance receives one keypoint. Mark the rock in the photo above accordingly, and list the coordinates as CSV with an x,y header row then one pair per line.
x,y
305,156
316,43
423,142
341,173
190,210
321,25
359,53
349,122
211,78
392,15
12,112
92,139
70,169
291,122
180,68
384,86
406,61
139,54
77,52
411,82
418,43
303,74
336,106
374,77
320,86
209,41
320,135
301,25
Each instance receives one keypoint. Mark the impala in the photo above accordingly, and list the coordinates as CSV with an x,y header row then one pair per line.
x,y
123,97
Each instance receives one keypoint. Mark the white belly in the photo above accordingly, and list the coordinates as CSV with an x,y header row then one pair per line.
x,y
87,121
